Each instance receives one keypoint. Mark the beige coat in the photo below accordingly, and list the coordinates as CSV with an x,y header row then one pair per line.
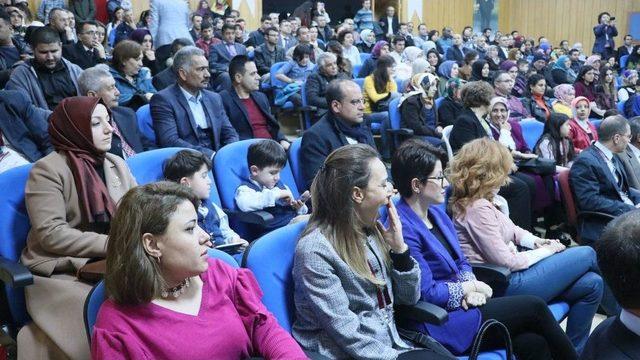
x,y
56,248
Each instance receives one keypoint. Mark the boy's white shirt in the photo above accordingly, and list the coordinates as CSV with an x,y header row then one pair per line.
x,y
247,199
227,233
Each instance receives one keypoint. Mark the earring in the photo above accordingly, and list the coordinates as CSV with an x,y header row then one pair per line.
x,y
158,259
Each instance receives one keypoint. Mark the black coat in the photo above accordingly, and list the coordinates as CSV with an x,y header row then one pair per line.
x,y
448,112
127,122
77,55
384,24
412,117
239,118
263,60
318,142
467,128
164,79
24,126
612,340
316,90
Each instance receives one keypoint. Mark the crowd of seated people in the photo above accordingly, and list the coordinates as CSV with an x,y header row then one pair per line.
x,y
73,102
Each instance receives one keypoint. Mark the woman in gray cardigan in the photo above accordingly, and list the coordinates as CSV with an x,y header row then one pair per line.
x,y
348,269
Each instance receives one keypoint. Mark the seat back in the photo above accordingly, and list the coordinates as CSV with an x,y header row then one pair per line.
x,y
363,58
531,131
294,162
567,197
274,69
145,122
620,107
98,294
596,122
274,272
623,61
306,114
445,137
394,114
439,101
14,228
360,82
230,170
147,167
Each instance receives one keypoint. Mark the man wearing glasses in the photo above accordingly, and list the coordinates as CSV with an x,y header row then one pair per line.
x,y
341,125
87,52
503,84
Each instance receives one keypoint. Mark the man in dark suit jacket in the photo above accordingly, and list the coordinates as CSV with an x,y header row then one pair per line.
x,y
188,115
599,181
455,52
630,157
626,48
619,253
167,77
247,108
220,55
342,125
256,38
126,139
390,18
87,52
24,126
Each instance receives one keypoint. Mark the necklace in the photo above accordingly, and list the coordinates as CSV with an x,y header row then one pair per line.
x,y
176,290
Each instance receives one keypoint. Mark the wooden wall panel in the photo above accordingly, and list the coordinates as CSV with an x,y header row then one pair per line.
x,y
454,13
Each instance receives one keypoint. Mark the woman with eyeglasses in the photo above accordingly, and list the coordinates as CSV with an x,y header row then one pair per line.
x,y
541,267
447,279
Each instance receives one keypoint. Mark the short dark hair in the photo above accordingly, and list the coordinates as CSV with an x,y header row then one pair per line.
x,y
397,39
533,80
414,159
184,163
179,43
342,34
618,251
485,30
611,126
497,75
80,25
237,65
264,18
334,91
299,29
476,94
193,16
470,55
53,12
44,35
574,51
265,153
300,51
206,24
228,27
273,28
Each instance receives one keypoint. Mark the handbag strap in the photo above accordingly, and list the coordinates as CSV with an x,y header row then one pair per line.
x,y
477,340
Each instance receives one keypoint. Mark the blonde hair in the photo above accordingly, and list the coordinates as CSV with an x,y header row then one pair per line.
x,y
334,211
478,168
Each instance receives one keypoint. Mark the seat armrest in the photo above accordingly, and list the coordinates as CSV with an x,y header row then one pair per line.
x,y
259,217
491,274
401,131
14,274
423,311
307,108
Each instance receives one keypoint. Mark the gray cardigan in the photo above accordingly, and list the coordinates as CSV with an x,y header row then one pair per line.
x,y
25,79
337,313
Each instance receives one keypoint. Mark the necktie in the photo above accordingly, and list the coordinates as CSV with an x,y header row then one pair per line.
x,y
126,148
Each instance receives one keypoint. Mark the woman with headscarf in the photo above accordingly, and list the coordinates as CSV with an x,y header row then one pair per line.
x,y
418,109
564,94
204,9
451,105
143,37
380,48
447,70
71,196
434,59
582,132
628,88
220,9
560,70
594,61
367,41
480,71
585,85
404,70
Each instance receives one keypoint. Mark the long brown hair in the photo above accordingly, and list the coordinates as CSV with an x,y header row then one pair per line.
x,y
334,211
478,168
133,277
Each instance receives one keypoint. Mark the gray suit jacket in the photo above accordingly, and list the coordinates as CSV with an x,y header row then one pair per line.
x,y
631,166
337,313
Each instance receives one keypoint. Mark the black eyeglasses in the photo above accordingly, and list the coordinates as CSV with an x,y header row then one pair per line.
x,y
441,178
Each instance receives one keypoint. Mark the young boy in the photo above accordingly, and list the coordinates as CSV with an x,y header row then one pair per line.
x,y
191,168
264,191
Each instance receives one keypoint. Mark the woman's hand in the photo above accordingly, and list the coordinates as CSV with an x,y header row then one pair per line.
x,y
150,54
473,299
393,235
555,246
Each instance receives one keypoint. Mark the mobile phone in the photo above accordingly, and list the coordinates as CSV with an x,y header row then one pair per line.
x,y
304,197
232,248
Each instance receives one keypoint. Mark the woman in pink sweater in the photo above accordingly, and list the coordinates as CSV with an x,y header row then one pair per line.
x,y
168,299
544,267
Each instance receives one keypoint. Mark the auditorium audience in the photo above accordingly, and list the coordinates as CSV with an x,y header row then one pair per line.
x,y
263,190
487,235
345,260
618,337
246,107
47,78
599,180
23,130
316,85
186,114
71,197
191,168
219,57
447,279
341,125
132,79
126,139
582,132
159,277
88,51
555,143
